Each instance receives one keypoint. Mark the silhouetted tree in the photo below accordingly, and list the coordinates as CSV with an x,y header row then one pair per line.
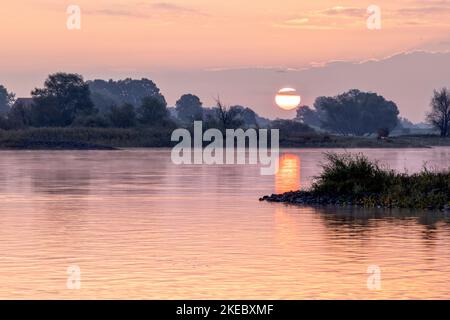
x,y
439,116
6,100
383,133
20,115
106,94
91,121
309,116
123,116
63,98
357,113
290,127
153,111
189,108
226,118
246,116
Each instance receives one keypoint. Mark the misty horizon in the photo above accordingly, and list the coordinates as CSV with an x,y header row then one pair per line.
x,y
255,87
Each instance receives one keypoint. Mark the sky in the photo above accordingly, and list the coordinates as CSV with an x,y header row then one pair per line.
x,y
127,38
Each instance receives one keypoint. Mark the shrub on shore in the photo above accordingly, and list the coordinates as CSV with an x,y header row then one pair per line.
x,y
349,179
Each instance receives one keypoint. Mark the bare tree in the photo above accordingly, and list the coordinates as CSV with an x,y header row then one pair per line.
x,y
440,111
228,117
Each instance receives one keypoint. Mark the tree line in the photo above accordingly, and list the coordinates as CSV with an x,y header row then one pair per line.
x,y
67,100
361,113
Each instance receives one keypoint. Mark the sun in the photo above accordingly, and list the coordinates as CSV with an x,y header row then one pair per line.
x,y
287,99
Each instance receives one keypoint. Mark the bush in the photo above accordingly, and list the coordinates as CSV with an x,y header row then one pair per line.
x,y
363,182
351,175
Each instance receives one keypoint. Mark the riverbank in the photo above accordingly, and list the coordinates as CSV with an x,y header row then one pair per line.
x,y
350,142
353,180
157,137
84,138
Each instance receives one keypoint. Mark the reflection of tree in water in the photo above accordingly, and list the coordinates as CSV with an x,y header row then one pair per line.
x,y
361,221
61,179
100,173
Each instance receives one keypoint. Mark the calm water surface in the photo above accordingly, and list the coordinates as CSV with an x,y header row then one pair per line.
x,y
140,227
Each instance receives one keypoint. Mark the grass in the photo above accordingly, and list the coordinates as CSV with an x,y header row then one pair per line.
x,y
354,180
364,182
43,138
159,136
323,140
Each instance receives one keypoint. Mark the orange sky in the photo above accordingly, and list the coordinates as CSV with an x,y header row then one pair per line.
x,y
126,37
135,34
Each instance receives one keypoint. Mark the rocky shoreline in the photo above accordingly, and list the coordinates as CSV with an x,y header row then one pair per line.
x,y
308,198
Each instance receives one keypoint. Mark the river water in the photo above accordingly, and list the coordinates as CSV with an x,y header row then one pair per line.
x,y
137,226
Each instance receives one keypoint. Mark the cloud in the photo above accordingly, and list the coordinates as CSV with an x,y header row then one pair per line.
x,y
146,10
337,17
343,11
432,13
117,13
171,7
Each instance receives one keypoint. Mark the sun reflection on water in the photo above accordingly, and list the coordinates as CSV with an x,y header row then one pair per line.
x,y
288,177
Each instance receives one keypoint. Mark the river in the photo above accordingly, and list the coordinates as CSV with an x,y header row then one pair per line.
x,y
137,226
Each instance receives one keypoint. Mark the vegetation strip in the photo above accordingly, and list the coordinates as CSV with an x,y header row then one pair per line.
x,y
354,180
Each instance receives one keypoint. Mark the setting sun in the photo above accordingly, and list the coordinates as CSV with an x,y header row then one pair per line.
x,y
287,99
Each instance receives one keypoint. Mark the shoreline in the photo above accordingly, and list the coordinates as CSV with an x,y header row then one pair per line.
x,y
81,138
309,199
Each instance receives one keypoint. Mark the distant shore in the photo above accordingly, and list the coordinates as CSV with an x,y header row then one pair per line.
x,y
110,139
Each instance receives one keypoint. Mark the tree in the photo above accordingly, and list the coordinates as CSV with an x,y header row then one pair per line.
x,y
6,100
290,128
64,97
356,113
440,111
223,117
245,116
20,115
106,94
189,108
152,111
123,116
91,121
309,116
227,118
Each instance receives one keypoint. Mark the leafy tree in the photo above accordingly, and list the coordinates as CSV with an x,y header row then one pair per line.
x,y
20,115
91,121
189,108
440,111
356,113
6,100
64,97
383,133
309,116
106,94
123,116
153,111
244,115
290,127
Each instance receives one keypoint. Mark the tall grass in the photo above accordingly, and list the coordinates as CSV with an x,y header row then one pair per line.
x,y
361,181
114,137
